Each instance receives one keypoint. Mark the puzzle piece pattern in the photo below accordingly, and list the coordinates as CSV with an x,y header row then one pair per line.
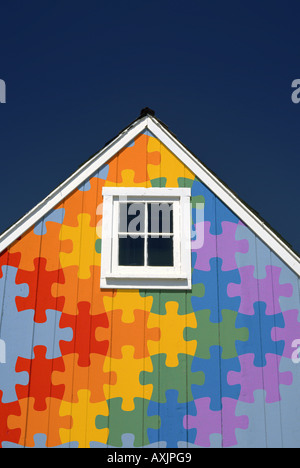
x,y
263,417
207,367
208,422
162,378
268,290
40,370
40,279
128,421
262,330
171,414
224,246
215,297
253,378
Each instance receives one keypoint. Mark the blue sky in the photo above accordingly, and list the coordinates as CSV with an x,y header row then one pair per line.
x,y
217,73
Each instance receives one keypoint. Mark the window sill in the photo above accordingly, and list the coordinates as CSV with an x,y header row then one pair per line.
x,y
113,281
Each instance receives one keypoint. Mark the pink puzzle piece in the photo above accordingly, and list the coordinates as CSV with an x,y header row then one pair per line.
x,y
224,245
253,378
208,422
267,290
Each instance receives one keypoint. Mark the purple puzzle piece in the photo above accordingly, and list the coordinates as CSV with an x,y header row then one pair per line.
x,y
253,378
289,333
267,290
208,422
224,245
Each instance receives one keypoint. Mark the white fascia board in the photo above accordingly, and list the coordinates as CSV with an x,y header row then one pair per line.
x,y
72,183
229,199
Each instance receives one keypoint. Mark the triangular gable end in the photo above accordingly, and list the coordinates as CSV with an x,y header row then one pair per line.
x,y
156,128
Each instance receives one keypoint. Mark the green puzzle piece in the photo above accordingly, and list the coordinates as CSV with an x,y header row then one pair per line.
x,y
223,334
182,297
159,182
121,422
197,202
178,378
98,245
185,183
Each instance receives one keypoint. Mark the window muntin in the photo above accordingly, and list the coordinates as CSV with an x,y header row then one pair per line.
x,y
142,227
146,234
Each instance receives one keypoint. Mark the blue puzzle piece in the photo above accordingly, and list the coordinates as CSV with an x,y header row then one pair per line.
x,y
9,290
214,209
289,405
255,436
258,255
288,276
260,326
20,333
16,334
70,445
40,441
102,173
128,442
9,378
223,214
171,414
215,297
55,216
194,259
147,132
49,334
85,186
216,386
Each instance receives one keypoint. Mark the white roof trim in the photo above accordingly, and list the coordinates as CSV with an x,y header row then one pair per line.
x,y
210,180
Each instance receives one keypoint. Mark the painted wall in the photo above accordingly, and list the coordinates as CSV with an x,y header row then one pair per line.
x,y
84,367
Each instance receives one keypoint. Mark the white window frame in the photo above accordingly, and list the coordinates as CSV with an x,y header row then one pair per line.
x,y
145,277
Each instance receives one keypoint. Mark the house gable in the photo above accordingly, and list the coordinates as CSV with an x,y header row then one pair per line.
x,y
176,367
151,160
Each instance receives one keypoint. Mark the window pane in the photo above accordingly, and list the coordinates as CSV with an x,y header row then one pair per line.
x,y
160,251
132,217
131,251
160,217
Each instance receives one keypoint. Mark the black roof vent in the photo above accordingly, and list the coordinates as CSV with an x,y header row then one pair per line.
x,y
147,111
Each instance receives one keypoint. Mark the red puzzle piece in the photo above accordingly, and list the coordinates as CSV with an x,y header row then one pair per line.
x,y
40,282
84,341
40,371
9,259
7,409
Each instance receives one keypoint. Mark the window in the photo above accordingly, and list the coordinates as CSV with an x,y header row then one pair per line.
x,y
146,234
146,238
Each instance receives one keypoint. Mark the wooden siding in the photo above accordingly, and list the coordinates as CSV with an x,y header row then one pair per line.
x,y
85,367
